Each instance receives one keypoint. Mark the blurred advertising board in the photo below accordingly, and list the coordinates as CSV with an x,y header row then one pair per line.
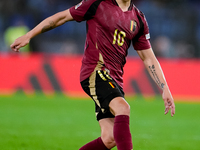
x,y
60,73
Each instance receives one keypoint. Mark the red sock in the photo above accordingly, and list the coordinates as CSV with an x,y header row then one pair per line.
x,y
94,145
122,133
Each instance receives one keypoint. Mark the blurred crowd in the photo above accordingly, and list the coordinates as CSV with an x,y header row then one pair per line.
x,y
174,26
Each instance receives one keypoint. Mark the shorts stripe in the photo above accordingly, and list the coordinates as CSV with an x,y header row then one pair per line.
x,y
92,87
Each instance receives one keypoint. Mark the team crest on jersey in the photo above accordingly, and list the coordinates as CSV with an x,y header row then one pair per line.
x,y
78,5
133,25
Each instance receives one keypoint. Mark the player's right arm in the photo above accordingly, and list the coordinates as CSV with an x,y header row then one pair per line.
x,y
46,25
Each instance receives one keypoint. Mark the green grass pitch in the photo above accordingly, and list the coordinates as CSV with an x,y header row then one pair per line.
x,y
39,122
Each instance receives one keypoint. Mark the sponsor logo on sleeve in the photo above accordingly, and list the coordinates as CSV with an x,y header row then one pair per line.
x,y
78,5
147,36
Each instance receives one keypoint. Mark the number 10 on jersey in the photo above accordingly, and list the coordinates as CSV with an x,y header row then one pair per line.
x,y
119,37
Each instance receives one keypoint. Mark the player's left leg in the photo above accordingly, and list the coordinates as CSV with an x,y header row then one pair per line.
x,y
121,130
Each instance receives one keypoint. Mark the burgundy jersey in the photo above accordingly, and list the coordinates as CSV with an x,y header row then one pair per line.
x,y
109,35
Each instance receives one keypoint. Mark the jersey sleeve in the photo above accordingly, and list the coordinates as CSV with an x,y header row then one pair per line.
x,y
85,10
142,42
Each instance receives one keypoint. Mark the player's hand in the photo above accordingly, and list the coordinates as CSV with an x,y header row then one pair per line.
x,y
168,101
20,42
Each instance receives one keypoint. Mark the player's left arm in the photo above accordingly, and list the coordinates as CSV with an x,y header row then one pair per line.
x,y
156,73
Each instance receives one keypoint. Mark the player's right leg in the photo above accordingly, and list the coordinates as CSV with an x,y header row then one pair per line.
x,y
107,137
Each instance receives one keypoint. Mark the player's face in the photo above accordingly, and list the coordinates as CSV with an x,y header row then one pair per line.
x,y
124,0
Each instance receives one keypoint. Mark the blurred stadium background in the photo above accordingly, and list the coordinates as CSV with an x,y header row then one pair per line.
x,y
174,26
41,99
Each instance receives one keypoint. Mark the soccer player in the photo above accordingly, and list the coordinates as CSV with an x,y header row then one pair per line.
x,y
111,27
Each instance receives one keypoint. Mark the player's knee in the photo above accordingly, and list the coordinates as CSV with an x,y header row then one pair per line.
x,y
108,140
125,110
120,107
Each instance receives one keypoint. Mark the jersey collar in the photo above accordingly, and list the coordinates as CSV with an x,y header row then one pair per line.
x,y
130,7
